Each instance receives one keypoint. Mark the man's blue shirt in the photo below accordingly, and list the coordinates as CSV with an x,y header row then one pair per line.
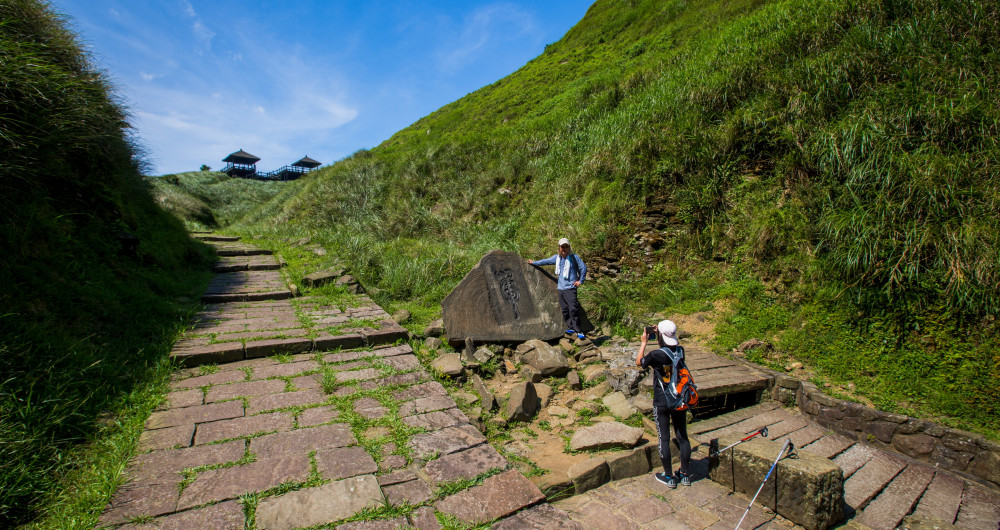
x,y
576,273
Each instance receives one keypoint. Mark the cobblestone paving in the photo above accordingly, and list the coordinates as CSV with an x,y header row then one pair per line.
x,y
297,433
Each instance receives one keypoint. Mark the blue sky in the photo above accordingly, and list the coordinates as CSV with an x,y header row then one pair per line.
x,y
287,78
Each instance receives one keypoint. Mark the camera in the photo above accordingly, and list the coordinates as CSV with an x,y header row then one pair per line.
x,y
650,332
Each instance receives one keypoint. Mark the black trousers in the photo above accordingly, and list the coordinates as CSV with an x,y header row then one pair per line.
x,y
570,309
663,416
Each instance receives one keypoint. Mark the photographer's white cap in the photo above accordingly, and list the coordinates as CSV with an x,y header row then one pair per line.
x,y
668,330
563,241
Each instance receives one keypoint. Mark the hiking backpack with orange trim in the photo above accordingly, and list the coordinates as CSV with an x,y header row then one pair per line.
x,y
679,387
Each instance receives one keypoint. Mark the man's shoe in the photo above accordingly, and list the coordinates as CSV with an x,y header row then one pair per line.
x,y
580,336
685,480
669,480
570,331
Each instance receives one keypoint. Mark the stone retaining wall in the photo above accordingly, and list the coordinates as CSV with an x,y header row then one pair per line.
x,y
952,449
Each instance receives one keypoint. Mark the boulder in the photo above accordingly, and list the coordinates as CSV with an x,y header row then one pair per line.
x,y
503,299
547,360
433,343
523,402
807,490
606,435
449,364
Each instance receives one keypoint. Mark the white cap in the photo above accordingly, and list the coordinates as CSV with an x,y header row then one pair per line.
x,y
668,330
563,241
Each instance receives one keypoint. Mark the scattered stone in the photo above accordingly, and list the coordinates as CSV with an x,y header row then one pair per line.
x,y
593,372
606,435
351,283
643,402
625,380
449,364
618,404
558,411
483,355
509,367
598,391
793,366
547,360
573,378
544,394
488,401
531,374
433,343
435,329
401,316
523,403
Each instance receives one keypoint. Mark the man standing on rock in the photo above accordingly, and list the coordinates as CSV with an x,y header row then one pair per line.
x,y
570,274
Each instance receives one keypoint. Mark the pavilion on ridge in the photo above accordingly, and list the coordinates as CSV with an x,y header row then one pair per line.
x,y
243,164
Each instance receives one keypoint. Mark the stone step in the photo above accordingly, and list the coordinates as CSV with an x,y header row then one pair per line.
x,y
212,237
725,420
234,267
243,252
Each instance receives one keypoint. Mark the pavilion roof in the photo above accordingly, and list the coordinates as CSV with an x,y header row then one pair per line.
x,y
307,163
241,157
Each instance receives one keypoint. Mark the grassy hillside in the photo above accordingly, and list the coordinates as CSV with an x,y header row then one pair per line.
x,y
818,173
97,279
210,199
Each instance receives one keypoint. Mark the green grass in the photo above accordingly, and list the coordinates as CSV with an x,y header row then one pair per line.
x,y
87,319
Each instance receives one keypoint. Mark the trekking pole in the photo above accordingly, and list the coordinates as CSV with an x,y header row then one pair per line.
x,y
762,432
788,445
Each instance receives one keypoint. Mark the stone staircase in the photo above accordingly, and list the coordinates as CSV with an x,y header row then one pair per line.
x,y
306,415
880,487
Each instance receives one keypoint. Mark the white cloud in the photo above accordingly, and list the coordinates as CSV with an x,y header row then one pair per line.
x,y
149,77
487,26
188,8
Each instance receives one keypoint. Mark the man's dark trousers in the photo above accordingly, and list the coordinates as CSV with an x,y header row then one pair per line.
x,y
570,309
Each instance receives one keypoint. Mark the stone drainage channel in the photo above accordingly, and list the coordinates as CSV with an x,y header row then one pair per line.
x,y
308,416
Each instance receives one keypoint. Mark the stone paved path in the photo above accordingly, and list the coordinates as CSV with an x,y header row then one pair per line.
x,y
880,487
312,429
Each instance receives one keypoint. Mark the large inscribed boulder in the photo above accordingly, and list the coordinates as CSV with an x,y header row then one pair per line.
x,y
504,299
